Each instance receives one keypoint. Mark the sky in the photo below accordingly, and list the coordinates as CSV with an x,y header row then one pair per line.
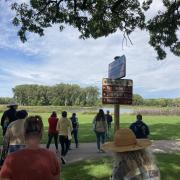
x,y
61,57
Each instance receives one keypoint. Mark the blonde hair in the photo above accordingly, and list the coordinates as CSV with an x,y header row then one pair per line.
x,y
128,162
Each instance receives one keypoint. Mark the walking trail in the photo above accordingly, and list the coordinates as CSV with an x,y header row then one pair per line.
x,y
89,150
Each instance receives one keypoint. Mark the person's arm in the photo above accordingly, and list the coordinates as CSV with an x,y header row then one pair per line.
x,y
58,126
3,119
70,125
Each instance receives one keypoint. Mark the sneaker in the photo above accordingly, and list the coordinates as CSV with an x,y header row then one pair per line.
x,y
63,160
101,150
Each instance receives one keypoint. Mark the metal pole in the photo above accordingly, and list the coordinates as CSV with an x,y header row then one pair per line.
x,y
116,116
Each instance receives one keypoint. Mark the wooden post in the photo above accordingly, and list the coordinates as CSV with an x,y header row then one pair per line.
x,y
116,117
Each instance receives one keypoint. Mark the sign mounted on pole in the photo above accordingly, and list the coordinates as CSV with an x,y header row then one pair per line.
x,y
117,69
117,91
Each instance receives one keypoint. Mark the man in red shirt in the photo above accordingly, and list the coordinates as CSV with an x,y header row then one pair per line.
x,y
32,162
52,132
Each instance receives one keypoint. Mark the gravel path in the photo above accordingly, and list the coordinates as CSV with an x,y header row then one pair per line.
x,y
89,150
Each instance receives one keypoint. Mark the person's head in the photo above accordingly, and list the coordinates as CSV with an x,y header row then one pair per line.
x,y
73,114
130,153
107,112
64,114
100,115
139,117
53,114
33,128
22,114
12,105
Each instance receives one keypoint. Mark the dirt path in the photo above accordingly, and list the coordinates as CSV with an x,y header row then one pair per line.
x,y
89,150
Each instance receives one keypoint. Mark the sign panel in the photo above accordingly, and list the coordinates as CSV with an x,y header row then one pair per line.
x,y
117,91
117,69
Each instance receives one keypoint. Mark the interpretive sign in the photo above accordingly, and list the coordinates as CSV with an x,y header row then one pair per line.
x,y
117,69
117,91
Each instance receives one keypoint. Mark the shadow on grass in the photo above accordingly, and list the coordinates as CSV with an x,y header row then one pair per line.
x,y
101,169
88,170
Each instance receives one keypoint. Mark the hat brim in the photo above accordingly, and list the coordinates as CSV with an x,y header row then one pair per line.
x,y
141,144
10,105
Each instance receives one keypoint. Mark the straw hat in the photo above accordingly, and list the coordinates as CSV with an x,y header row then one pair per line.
x,y
125,140
12,104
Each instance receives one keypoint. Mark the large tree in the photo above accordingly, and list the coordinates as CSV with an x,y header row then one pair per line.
x,y
97,18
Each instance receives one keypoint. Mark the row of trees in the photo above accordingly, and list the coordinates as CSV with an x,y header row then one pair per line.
x,y
58,95
70,95
161,102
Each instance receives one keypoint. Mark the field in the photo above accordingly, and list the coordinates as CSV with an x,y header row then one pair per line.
x,y
162,127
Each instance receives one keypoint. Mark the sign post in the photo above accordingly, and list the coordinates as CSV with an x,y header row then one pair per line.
x,y
116,117
116,90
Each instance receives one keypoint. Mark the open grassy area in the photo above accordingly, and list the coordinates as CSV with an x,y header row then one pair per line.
x,y
101,169
162,127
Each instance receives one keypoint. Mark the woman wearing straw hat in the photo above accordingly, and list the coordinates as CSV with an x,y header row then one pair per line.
x,y
133,160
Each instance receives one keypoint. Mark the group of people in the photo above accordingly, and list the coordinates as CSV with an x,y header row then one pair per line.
x,y
63,128
23,134
102,125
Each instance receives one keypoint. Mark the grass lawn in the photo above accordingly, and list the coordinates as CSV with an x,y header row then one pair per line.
x,y
101,169
161,127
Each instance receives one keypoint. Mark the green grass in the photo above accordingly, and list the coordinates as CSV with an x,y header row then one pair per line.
x,y
101,169
161,127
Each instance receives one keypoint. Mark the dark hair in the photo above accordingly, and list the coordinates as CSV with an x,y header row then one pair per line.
x,y
100,115
73,114
139,117
64,114
54,114
33,126
21,114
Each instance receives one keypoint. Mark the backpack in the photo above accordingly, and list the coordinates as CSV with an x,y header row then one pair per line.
x,y
140,130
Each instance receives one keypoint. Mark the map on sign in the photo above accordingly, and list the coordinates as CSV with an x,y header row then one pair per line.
x,y
117,91
117,69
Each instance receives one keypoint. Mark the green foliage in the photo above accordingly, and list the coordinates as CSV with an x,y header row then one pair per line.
x,y
137,99
5,100
58,95
97,18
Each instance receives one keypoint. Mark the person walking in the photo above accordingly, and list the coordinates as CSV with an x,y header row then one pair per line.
x,y
32,162
75,125
64,128
109,121
140,129
132,157
14,138
52,132
9,116
100,128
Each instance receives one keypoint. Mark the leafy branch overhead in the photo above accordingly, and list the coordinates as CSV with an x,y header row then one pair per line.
x,y
98,18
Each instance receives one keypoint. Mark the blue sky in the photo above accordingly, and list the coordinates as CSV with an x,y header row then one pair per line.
x,y
62,57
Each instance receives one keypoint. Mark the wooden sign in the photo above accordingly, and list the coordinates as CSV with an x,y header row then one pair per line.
x,y
117,91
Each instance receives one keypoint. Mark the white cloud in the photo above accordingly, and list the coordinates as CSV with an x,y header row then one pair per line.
x,y
62,57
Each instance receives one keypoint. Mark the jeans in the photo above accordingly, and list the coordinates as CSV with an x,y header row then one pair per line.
x,y
13,148
75,134
100,138
64,144
50,136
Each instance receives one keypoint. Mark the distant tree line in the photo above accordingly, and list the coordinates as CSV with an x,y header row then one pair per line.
x,y
5,100
161,102
57,95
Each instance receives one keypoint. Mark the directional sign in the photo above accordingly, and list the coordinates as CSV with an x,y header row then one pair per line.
x,y
117,69
117,91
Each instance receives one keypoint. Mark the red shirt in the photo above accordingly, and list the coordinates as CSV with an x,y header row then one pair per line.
x,y
30,164
52,124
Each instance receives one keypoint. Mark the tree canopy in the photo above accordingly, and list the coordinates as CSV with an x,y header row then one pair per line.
x,y
98,18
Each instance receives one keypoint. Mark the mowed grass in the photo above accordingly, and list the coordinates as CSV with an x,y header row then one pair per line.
x,y
161,127
101,169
